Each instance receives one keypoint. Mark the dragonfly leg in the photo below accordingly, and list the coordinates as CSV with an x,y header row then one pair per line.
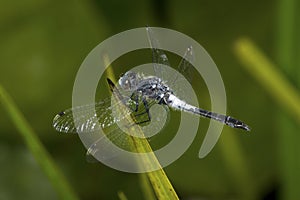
x,y
135,98
146,112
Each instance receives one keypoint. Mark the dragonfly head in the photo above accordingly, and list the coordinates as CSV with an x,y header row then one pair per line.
x,y
128,81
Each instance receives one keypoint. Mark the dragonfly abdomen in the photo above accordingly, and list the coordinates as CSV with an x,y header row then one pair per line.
x,y
176,103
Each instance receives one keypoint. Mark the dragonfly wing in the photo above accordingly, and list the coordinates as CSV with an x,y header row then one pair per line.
x,y
110,145
185,66
88,118
159,57
85,121
180,82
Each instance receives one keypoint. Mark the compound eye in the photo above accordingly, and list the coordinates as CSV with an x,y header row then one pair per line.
x,y
126,84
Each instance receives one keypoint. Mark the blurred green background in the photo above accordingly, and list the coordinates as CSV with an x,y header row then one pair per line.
x,y
42,44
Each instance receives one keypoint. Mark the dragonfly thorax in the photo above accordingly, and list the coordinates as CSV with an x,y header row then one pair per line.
x,y
150,87
154,88
129,81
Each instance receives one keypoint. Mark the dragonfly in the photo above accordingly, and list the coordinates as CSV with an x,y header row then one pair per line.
x,y
138,92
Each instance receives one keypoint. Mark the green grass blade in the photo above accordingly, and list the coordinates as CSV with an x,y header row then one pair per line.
x,y
286,35
287,47
146,187
288,97
237,165
261,68
37,149
121,195
158,179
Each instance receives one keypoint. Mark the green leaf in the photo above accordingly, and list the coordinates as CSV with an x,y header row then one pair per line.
x,y
265,72
33,143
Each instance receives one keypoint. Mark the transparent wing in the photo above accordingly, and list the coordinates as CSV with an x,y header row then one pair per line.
x,y
86,121
158,56
100,115
104,146
180,79
185,67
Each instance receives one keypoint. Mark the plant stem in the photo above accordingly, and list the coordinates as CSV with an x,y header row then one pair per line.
x,y
265,72
37,149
